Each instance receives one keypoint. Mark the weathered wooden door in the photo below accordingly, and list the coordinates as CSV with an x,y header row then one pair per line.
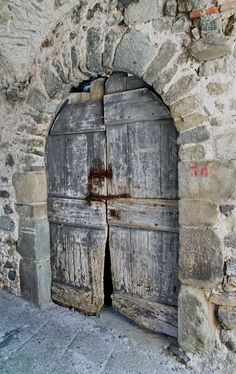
x,y
112,174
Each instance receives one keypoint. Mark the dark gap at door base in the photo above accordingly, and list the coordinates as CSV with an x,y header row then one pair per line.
x,y
108,287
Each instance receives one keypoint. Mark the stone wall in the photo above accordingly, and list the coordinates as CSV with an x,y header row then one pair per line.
x,y
186,50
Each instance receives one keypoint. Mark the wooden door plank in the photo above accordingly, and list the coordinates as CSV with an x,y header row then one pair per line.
x,y
77,212
55,160
119,83
157,317
77,270
143,265
151,214
79,117
133,106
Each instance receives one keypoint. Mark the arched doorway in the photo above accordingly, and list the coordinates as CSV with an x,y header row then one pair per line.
x,y
112,203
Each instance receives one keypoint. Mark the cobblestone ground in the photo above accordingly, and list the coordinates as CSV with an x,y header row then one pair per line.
x,y
58,340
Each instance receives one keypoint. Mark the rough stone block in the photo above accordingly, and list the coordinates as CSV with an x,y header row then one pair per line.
x,y
210,26
227,317
214,180
35,281
94,54
197,213
196,152
170,8
201,258
210,48
223,298
190,121
51,82
225,145
6,223
164,78
231,267
180,88
196,331
141,11
195,135
164,55
217,88
30,187
29,211
184,106
228,337
230,240
133,53
33,242
39,101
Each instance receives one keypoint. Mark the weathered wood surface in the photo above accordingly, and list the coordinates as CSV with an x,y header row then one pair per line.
x,y
70,161
133,106
144,263
120,83
161,215
155,316
144,157
77,212
77,257
80,117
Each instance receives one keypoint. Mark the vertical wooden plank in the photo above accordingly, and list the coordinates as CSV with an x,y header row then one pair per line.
x,y
55,173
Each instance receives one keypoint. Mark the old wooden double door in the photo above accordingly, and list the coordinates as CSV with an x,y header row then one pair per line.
x,y
112,179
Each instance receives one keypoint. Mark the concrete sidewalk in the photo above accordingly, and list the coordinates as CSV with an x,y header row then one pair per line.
x,y
57,340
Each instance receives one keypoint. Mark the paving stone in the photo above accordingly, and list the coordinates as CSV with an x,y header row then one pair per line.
x,y
210,48
196,330
133,53
164,55
214,180
227,317
201,258
141,11
196,135
35,281
197,213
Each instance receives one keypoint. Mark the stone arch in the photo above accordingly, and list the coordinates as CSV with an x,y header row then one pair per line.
x,y
167,67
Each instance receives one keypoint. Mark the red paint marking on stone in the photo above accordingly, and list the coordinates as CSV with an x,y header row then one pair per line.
x,y
204,171
194,170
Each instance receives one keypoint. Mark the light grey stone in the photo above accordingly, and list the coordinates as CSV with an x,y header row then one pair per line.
x,y
197,213
231,267
94,54
195,152
199,4
210,26
214,180
59,69
230,240
133,53
227,317
52,83
180,88
195,328
37,100
201,258
6,223
170,8
35,281
225,145
111,42
196,135
30,187
184,106
227,209
210,48
228,337
141,11
33,242
164,55
164,78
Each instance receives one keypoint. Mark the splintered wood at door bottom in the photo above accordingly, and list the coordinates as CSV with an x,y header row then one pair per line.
x,y
157,317
71,297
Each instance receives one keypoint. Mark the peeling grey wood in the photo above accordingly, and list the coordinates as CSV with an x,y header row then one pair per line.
x,y
80,117
116,84
77,257
144,263
151,214
133,106
77,212
157,317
